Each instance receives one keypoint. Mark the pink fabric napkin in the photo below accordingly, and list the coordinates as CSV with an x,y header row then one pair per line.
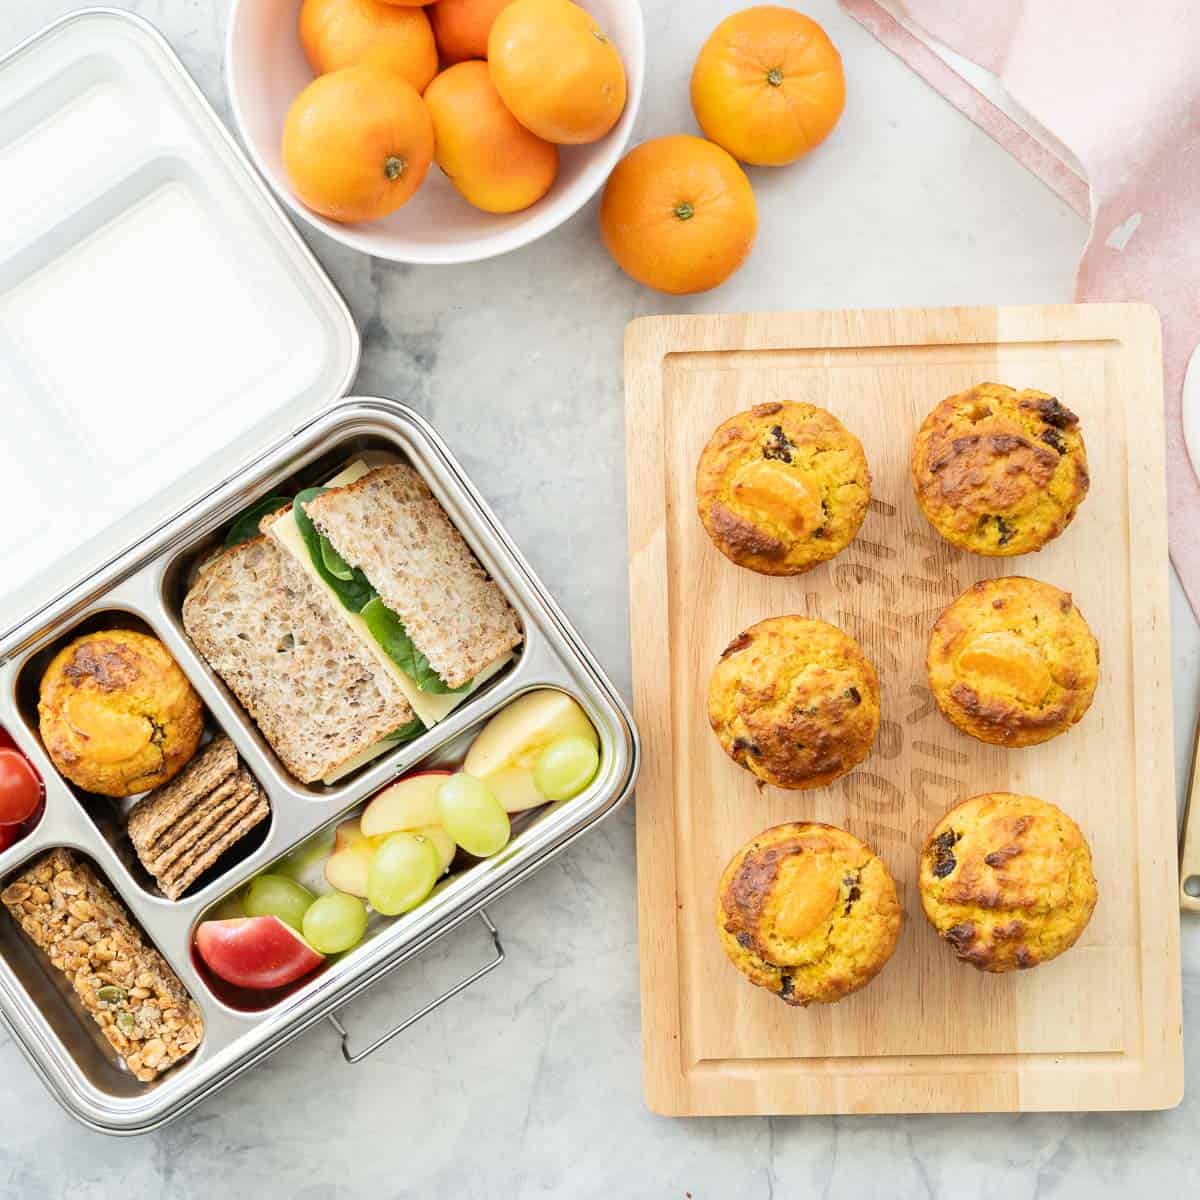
x,y
1118,82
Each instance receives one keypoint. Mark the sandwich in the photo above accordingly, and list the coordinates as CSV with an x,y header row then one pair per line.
x,y
383,551
314,690
355,618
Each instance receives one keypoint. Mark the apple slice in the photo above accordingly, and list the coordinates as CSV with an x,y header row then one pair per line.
x,y
255,952
506,751
409,803
346,868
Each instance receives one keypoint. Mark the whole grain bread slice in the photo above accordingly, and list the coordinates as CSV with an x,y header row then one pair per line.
x,y
389,526
314,690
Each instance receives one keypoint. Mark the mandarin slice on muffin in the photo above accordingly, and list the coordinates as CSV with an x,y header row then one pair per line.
x,y
795,701
808,911
1013,662
1000,472
782,487
1007,880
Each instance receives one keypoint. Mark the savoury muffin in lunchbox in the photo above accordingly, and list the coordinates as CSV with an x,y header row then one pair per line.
x,y
782,488
116,713
1000,472
808,911
795,701
1007,880
1013,662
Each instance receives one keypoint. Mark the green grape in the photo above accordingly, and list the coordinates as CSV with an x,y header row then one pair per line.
x,y
335,922
566,767
473,816
402,873
278,896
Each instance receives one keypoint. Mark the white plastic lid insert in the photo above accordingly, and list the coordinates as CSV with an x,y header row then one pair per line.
x,y
159,318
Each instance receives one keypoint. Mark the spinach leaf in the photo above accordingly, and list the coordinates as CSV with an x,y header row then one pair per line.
x,y
388,630
335,564
406,733
245,524
354,592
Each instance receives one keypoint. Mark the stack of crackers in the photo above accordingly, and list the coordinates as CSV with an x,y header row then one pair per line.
x,y
181,829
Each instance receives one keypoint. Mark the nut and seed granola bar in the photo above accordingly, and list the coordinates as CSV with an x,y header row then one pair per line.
x,y
132,994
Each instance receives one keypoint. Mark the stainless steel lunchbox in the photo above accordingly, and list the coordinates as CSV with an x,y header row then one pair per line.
x,y
133,565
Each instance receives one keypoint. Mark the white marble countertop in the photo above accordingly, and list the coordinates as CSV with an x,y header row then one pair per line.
x,y
530,1084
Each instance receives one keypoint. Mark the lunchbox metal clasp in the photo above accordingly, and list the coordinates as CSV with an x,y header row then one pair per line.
x,y
356,1056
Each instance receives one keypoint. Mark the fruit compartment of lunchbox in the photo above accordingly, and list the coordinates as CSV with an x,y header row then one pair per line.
x,y
108,814
447,756
71,1028
311,468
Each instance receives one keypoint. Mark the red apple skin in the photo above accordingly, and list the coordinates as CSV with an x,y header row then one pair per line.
x,y
255,952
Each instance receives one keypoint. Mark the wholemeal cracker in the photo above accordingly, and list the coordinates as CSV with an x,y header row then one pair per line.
x,y
174,887
180,830
158,812
227,819
200,822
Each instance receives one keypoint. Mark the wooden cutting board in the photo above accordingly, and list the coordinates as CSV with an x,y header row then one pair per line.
x,y
1098,1028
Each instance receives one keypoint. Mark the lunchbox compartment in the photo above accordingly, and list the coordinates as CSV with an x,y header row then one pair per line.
x,y
182,566
448,756
50,992
108,813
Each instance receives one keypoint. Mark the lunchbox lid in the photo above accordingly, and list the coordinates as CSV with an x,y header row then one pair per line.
x,y
158,312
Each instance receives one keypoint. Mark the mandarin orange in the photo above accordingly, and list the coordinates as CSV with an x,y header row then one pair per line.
x,y
345,33
768,85
461,27
678,214
556,71
357,143
490,157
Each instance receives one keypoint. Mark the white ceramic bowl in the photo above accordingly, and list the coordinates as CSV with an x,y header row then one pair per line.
x,y
265,69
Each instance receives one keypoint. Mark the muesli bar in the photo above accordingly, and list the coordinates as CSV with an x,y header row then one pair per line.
x,y
132,994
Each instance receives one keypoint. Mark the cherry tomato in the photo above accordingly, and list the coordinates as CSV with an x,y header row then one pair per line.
x,y
20,788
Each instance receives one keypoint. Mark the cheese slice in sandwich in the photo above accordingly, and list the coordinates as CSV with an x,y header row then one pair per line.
x,y
311,686
404,580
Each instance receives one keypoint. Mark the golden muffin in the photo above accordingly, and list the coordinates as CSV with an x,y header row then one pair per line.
x,y
808,911
1013,662
782,487
1007,881
795,701
117,715
1000,472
